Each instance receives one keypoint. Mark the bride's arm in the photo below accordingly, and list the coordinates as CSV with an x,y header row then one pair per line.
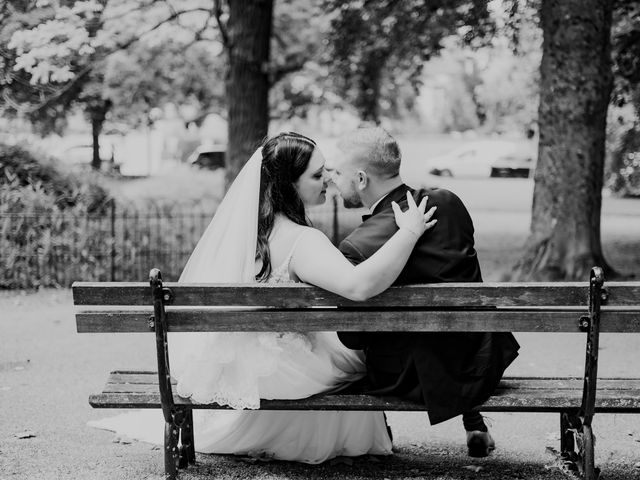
x,y
316,261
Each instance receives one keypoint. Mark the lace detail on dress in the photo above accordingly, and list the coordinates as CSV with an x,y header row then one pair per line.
x,y
223,369
226,367
280,274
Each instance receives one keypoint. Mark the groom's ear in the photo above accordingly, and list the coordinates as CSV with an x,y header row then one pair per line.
x,y
362,179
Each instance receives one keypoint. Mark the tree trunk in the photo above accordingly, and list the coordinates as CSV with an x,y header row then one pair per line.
x,y
249,35
575,87
97,111
97,121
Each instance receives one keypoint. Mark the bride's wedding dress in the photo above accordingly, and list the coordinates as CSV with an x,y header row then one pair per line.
x,y
240,368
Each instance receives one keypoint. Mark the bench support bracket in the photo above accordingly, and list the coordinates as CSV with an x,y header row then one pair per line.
x,y
179,449
576,434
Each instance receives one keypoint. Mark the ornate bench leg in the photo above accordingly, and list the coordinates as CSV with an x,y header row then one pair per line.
x,y
187,438
187,447
577,443
570,437
170,451
567,443
588,441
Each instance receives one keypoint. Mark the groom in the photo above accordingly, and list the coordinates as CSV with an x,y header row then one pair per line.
x,y
449,372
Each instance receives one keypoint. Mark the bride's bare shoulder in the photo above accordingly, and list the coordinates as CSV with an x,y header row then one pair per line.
x,y
287,231
284,237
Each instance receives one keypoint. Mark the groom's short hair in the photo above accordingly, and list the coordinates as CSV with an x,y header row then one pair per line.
x,y
374,149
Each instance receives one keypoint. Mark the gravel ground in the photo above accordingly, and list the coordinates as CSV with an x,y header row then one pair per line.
x,y
47,371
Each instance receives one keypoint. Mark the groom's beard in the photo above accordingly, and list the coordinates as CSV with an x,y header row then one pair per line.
x,y
352,201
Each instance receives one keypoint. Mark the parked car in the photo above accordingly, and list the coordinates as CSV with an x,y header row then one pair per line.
x,y
488,158
208,156
518,164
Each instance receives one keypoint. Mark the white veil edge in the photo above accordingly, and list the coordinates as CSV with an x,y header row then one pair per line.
x,y
226,251
208,365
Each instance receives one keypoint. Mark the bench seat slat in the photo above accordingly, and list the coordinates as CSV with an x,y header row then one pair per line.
x,y
139,381
530,385
612,320
292,296
139,390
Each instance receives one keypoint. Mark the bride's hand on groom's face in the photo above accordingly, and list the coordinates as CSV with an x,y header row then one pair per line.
x,y
414,219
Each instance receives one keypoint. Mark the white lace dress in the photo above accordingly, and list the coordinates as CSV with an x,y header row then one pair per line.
x,y
240,368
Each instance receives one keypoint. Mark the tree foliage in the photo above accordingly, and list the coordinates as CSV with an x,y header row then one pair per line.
x,y
624,167
43,104
147,76
124,57
523,26
377,45
299,77
626,51
62,54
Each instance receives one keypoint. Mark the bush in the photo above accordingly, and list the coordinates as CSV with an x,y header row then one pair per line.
x,y
43,245
42,238
22,167
624,176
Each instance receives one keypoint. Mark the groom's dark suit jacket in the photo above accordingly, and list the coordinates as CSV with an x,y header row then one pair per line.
x,y
450,372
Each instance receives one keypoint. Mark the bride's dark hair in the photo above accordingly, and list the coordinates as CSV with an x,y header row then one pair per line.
x,y
284,158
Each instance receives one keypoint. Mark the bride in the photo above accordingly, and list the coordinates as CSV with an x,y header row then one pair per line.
x,y
260,233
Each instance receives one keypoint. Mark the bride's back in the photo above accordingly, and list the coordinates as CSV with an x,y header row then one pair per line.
x,y
282,241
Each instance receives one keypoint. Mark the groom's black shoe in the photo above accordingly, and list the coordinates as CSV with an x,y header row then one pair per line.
x,y
480,444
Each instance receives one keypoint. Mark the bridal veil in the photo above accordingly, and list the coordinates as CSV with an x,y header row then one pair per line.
x,y
217,367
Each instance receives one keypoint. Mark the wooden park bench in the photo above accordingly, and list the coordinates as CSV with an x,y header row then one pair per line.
x,y
589,307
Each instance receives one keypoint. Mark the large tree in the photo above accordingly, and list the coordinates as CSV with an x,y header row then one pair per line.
x,y
575,88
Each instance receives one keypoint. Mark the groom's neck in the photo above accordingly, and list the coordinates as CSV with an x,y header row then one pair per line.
x,y
380,188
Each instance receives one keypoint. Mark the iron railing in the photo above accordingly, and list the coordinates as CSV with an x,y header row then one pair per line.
x,y
118,244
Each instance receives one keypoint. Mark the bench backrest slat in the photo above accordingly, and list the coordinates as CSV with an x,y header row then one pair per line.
x,y
475,295
244,320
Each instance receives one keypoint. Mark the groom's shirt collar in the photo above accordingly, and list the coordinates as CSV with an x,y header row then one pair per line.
x,y
373,207
392,193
